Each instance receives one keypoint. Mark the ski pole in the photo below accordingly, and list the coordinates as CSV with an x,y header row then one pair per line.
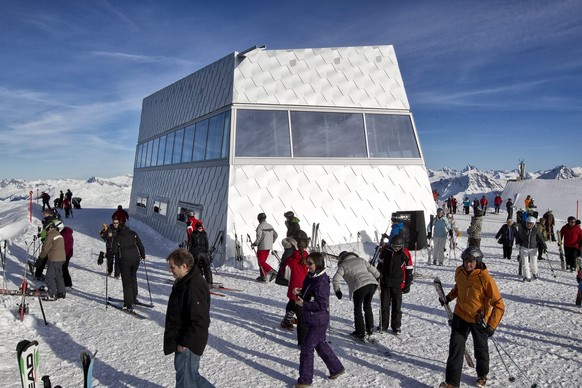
x,y
498,346
106,290
511,378
145,267
41,308
3,253
550,263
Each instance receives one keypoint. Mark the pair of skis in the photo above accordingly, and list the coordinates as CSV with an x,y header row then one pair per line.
x,y
315,247
27,354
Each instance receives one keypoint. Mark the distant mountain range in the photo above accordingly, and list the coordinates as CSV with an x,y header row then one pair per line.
x,y
472,182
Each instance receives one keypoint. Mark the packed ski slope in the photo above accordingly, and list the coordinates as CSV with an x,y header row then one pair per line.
x,y
541,328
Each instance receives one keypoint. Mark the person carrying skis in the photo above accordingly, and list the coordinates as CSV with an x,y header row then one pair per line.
x,y
506,237
266,236
362,280
109,235
529,238
298,266
438,230
313,298
198,247
474,230
187,319
130,251
53,250
396,269
478,311
40,264
571,235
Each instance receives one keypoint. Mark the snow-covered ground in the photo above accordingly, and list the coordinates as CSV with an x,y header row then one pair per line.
x,y
540,330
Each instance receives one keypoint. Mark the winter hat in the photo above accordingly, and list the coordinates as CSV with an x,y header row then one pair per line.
x,y
571,218
289,214
531,220
199,225
261,216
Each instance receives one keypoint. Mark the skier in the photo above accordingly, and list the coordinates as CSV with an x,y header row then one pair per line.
x,y
466,205
264,240
130,251
48,219
478,310
67,234
484,202
541,227
438,230
529,238
476,205
289,243
109,235
396,277
474,230
509,207
497,203
506,237
362,280
45,200
550,223
454,205
313,298
571,235
298,266
198,247
53,250
187,319
67,207
121,215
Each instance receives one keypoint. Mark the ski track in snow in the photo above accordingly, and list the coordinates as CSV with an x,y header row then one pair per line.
x,y
540,330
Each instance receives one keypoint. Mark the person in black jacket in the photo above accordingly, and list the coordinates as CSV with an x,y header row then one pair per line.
x,y
109,235
187,319
130,252
198,247
396,277
506,236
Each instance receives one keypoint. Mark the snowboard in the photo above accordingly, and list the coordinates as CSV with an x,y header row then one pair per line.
x,y
27,354
439,289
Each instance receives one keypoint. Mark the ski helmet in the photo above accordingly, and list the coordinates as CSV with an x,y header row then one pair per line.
x,y
397,242
472,253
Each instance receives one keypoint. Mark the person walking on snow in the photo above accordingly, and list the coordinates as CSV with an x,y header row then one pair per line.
x,y
528,239
550,223
362,279
130,252
466,205
479,310
396,270
313,298
484,202
497,203
438,230
509,207
53,249
67,234
198,247
571,235
506,236
266,236
474,230
297,264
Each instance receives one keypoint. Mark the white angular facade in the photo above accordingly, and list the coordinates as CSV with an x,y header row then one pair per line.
x,y
326,133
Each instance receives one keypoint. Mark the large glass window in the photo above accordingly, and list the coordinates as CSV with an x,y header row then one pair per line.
x,y
188,144
262,133
226,135
141,202
391,136
169,147
138,153
325,134
162,150
214,142
185,209
155,152
160,207
177,157
200,140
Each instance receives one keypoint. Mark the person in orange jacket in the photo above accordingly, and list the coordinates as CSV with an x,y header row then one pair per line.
x,y
478,311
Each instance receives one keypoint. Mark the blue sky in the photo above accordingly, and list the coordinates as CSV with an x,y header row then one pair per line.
x,y
489,82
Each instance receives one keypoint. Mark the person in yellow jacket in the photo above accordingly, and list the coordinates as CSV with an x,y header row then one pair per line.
x,y
478,311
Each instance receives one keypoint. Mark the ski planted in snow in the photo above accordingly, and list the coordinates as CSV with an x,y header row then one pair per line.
x,y
117,300
29,291
27,354
128,312
441,292
579,279
87,361
561,250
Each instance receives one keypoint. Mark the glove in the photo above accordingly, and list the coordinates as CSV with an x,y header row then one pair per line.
x,y
339,294
429,235
490,331
450,233
406,290
100,259
444,301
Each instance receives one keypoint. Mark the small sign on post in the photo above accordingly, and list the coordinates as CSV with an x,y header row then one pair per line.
x,y
30,206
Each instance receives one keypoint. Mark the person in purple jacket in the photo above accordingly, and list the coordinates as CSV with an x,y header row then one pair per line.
x,y
314,298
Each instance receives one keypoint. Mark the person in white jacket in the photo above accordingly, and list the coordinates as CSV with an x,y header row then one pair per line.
x,y
362,279
438,230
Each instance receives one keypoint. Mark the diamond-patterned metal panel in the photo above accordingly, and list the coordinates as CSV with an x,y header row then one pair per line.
x,y
364,77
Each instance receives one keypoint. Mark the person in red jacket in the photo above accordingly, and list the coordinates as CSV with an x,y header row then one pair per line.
x,y
571,234
67,234
298,265
484,202
497,202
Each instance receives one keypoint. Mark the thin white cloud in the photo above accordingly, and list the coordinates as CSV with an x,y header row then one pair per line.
x,y
156,59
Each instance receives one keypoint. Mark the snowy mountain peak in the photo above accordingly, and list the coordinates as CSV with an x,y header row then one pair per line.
x,y
560,172
470,168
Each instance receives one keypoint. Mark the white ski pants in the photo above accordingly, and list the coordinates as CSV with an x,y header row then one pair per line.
x,y
529,256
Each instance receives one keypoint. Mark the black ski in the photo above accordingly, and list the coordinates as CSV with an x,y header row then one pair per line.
x,y
141,304
219,286
440,291
29,291
561,250
579,279
128,312
27,355
87,361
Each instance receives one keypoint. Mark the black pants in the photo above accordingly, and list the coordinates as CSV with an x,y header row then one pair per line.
x,y
301,327
204,265
466,208
39,266
112,262
507,250
363,299
510,213
459,332
391,297
571,254
129,281
66,274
